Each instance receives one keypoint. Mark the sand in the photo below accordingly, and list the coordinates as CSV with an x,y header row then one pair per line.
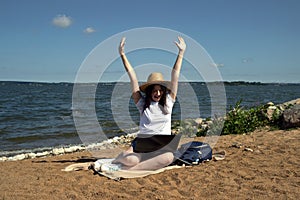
x,y
271,171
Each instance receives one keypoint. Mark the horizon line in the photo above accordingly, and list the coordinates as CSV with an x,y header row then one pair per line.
x,y
191,81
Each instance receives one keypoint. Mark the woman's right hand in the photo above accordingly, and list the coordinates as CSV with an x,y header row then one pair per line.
x,y
121,47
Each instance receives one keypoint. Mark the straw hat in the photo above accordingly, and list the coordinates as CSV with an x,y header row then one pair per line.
x,y
155,78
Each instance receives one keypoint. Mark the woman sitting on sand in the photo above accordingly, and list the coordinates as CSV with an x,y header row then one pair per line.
x,y
155,111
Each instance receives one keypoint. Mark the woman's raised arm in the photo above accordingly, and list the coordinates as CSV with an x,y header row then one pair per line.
x,y
136,95
177,67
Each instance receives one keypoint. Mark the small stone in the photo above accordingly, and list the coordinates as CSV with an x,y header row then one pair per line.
x,y
204,126
109,141
272,107
41,154
271,110
199,120
281,107
58,151
236,145
209,123
248,149
257,151
18,157
31,155
3,159
116,139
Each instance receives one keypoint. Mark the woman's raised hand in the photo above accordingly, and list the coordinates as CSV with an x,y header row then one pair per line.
x,y
121,47
181,44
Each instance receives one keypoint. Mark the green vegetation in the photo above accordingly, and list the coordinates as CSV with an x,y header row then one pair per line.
x,y
238,120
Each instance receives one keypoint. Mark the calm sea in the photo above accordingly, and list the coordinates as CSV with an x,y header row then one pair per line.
x,y
41,115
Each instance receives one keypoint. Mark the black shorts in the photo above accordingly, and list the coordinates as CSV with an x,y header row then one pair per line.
x,y
148,155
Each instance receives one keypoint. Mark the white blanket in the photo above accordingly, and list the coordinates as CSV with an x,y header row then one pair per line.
x,y
117,175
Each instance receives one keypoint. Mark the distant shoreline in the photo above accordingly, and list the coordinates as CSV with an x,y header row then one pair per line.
x,y
114,82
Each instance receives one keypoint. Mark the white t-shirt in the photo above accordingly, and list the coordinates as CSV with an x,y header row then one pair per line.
x,y
155,119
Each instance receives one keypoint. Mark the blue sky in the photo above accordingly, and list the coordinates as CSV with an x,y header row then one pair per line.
x,y
250,40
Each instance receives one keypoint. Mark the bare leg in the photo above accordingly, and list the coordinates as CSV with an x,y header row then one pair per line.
x,y
154,163
128,158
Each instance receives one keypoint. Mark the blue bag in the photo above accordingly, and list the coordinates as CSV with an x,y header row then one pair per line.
x,y
193,153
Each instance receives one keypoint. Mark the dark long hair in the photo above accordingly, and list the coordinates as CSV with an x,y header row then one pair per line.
x,y
148,98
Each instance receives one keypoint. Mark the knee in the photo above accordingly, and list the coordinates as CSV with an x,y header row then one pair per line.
x,y
131,160
168,158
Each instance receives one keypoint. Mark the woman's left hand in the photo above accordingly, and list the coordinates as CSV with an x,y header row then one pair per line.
x,y
181,44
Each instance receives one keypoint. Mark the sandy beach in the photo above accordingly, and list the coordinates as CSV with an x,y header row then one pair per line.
x,y
270,171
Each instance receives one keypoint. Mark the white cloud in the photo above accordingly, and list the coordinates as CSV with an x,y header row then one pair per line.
x,y
217,64
89,30
62,21
247,60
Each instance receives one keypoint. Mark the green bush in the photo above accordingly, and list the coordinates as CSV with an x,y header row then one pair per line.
x,y
238,120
